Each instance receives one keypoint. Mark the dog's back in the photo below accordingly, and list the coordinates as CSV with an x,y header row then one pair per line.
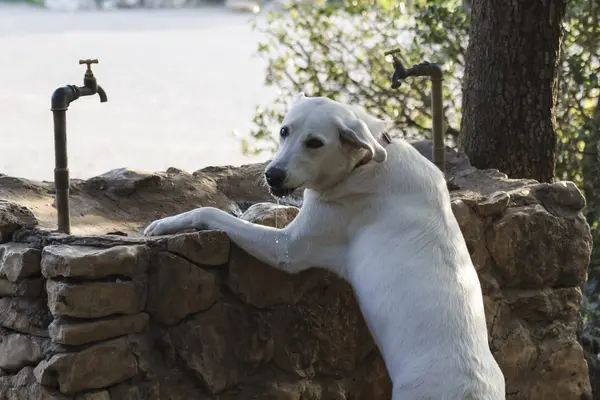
x,y
417,286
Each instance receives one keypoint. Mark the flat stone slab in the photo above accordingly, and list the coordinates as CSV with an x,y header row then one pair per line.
x,y
76,333
19,261
201,248
93,262
95,299
96,367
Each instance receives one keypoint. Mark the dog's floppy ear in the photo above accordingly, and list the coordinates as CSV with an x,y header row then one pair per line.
x,y
357,134
299,97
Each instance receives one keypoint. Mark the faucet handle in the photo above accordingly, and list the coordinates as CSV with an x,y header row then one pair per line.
x,y
89,63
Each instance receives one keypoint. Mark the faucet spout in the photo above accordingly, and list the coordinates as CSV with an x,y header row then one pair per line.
x,y
61,99
434,72
102,94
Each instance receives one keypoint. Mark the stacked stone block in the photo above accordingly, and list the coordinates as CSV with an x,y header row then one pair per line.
x,y
191,316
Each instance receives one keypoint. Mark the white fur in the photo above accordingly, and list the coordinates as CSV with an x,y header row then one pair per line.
x,y
387,227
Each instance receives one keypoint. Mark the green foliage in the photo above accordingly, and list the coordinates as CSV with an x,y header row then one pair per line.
x,y
337,50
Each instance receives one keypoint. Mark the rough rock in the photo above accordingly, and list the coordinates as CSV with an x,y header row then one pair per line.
x,y
74,332
96,367
18,350
325,332
99,395
209,248
253,281
269,214
220,355
95,299
94,263
25,315
495,204
559,247
23,386
177,288
302,336
19,261
25,288
12,218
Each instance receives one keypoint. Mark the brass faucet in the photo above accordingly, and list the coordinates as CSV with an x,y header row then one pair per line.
x,y
61,99
434,71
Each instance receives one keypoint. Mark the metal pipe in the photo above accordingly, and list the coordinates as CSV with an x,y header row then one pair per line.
x,y
61,99
61,171
434,71
437,112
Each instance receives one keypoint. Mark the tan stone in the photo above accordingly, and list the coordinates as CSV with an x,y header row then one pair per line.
x,y
560,374
269,214
258,284
92,262
546,304
95,299
530,248
96,367
177,288
473,230
201,248
19,261
493,205
24,288
254,282
73,332
325,332
25,315
223,345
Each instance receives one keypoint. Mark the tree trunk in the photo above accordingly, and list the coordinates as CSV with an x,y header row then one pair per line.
x,y
509,86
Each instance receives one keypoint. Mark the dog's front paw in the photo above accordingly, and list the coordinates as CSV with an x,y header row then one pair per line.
x,y
159,227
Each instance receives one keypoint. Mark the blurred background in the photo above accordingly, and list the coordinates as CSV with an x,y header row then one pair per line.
x,y
181,78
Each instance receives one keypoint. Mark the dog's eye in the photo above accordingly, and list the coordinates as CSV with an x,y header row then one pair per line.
x,y
313,143
284,131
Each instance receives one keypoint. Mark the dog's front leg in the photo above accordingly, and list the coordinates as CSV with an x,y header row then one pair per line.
x,y
257,240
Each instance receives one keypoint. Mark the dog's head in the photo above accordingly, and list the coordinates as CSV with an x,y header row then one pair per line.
x,y
321,141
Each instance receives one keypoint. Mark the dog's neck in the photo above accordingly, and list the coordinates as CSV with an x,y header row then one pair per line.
x,y
384,139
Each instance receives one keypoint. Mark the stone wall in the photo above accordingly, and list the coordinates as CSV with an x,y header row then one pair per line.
x,y
191,316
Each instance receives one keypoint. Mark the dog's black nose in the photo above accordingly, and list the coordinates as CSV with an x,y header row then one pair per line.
x,y
275,177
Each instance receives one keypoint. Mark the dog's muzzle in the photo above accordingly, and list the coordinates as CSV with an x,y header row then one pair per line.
x,y
275,178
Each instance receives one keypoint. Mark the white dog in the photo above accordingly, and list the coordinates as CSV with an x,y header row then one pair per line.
x,y
377,214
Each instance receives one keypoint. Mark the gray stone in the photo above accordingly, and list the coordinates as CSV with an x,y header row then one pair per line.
x,y
73,332
96,367
92,262
101,395
95,299
25,315
25,288
19,261
12,218
18,350
23,386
